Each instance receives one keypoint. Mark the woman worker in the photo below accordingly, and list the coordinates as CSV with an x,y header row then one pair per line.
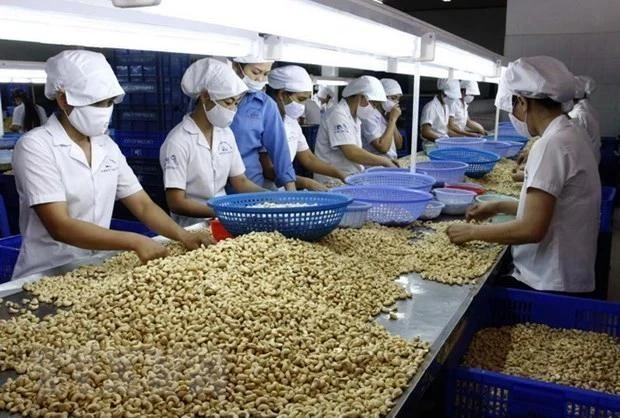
x,y
26,115
554,235
339,141
258,125
436,113
200,155
380,134
291,87
460,122
69,173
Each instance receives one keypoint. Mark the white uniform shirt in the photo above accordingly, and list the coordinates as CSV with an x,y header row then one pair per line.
x,y
19,113
460,114
582,115
190,164
295,137
372,129
561,164
437,115
338,128
50,167
312,114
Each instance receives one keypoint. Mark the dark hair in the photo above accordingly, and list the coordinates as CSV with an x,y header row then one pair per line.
x,y
546,102
31,115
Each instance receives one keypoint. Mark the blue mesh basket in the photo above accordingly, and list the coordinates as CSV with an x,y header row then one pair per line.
x,y
396,179
498,147
443,171
511,137
461,142
390,205
515,148
480,162
310,223
387,170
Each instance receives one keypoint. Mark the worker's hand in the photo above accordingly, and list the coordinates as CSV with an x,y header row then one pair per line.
x,y
522,159
310,184
460,233
518,176
389,163
395,113
194,240
481,211
148,249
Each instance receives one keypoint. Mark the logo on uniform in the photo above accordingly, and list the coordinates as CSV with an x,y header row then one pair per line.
x,y
170,163
341,129
224,148
109,165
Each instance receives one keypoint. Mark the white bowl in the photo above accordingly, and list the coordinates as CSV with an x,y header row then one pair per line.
x,y
433,210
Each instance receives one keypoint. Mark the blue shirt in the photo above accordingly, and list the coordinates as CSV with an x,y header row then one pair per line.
x,y
258,125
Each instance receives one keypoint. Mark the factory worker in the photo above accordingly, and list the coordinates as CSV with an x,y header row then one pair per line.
x,y
557,217
325,98
27,115
582,113
258,125
339,140
291,87
460,122
69,173
436,113
379,131
200,155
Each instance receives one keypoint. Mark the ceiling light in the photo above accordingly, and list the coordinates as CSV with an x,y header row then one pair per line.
x,y
22,72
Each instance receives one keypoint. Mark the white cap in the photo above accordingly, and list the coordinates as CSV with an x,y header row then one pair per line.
x,y
391,87
253,59
471,87
84,76
368,86
325,91
291,78
214,77
535,78
451,88
580,87
590,84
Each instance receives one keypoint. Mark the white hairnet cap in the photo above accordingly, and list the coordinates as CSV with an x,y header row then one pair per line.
x,y
535,78
451,88
253,59
580,87
84,76
368,86
325,91
589,84
214,77
391,87
471,87
291,78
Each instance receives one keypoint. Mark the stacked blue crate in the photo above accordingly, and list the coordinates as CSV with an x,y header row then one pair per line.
x,y
174,102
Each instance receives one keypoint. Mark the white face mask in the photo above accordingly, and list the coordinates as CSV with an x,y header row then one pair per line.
x,y
254,85
91,120
520,127
389,105
364,112
294,110
219,115
468,99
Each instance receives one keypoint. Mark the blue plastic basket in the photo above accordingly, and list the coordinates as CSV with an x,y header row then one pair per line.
x,y
500,148
390,205
515,148
309,223
397,179
608,195
444,171
9,250
485,394
387,170
511,137
461,142
480,162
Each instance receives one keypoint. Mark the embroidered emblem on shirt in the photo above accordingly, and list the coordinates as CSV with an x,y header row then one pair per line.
x,y
341,129
224,148
170,163
109,165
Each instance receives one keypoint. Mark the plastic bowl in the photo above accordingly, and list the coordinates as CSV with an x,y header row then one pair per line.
x,y
396,179
461,142
433,210
471,187
356,215
480,162
515,148
386,170
443,171
456,201
493,197
500,148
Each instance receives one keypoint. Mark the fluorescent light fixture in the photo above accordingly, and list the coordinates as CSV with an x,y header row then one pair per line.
x,y
451,57
319,25
331,81
307,54
61,27
22,72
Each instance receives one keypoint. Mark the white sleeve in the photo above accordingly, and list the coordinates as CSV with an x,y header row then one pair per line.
x,y
37,173
428,115
128,184
174,159
302,144
42,115
371,130
547,168
18,116
237,167
341,131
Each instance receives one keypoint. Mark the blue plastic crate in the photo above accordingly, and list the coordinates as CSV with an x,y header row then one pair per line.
x,y
9,250
479,393
608,195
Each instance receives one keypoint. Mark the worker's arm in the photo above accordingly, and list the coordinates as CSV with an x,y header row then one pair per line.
x,y
314,164
310,184
454,130
384,142
398,139
361,156
179,203
529,229
276,144
476,127
242,184
268,171
147,212
428,132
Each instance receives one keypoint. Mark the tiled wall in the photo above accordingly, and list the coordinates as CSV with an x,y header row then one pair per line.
x,y
585,35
